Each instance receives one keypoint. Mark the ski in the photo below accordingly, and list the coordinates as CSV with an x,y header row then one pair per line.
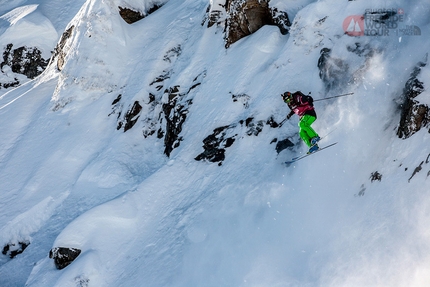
x,y
303,156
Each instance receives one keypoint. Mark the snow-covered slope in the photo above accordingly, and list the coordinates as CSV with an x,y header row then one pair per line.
x,y
353,215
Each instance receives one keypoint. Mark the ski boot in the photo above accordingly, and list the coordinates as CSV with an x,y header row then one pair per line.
x,y
313,149
315,140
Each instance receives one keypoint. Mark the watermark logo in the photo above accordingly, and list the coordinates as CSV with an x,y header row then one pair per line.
x,y
379,22
354,25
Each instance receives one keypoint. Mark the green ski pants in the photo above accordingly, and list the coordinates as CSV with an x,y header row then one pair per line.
x,y
306,131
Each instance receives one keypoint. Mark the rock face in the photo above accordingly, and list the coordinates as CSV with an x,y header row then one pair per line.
x,y
60,51
216,144
246,17
165,112
414,115
23,60
131,16
63,256
132,116
13,249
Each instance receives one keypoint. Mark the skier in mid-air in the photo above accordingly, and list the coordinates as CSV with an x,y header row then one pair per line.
x,y
302,105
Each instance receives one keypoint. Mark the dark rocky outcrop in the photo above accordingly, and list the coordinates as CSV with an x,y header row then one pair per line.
x,y
375,176
246,17
59,51
165,112
213,16
416,170
215,144
63,256
131,16
281,19
414,115
254,128
175,112
13,249
24,60
282,144
242,98
132,116
11,84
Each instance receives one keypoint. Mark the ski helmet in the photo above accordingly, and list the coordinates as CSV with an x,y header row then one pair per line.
x,y
287,97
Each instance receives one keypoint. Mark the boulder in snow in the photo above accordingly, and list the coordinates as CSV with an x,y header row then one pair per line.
x,y
131,16
246,17
13,249
63,256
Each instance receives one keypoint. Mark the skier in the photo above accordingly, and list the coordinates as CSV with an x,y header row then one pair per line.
x,y
302,105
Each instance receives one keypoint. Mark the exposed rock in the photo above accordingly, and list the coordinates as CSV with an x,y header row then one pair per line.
x,y
242,98
13,249
60,51
253,127
175,115
361,50
215,144
272,123
24,60
246,17
175,52
414,115
131,16
281,19
82,281
416,170
282,144
63,256
375,176
213,16
132,116
164,114
8,85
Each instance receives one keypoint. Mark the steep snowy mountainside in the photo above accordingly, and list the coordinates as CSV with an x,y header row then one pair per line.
x,y
152,149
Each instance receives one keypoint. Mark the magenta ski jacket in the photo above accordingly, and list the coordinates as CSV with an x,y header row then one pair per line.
x,y
302,105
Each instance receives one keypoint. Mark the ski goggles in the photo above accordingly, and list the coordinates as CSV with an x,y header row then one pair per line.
x,y
287,97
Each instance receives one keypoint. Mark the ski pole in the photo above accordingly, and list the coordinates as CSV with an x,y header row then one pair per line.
x,y
281,123
334,97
